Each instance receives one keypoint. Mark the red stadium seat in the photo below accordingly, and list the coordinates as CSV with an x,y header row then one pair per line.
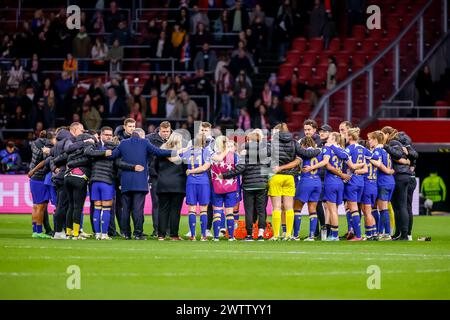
x,y
293,57
305,71
309,58
441,113
316,44
359,32
299,44
334,45
350,44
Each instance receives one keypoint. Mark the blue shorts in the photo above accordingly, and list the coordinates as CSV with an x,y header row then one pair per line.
x,y
308,190
228,200
385,192
370,193
198,194
239,191
39,191
102,191
334,193
52,193
353,193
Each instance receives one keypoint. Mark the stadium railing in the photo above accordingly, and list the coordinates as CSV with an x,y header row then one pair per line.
x,y
362,86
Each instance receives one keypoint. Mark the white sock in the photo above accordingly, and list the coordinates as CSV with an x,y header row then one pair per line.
x,y
260,232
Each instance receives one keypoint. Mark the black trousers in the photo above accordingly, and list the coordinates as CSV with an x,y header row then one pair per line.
x,y
400,204
76,189
411,187
133,204
155,203
170,205
321,216
46,222
62,206
117,213
255,202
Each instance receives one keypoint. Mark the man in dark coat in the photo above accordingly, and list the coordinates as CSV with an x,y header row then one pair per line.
x,y
135,150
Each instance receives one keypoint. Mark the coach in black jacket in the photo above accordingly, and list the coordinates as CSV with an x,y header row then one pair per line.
x,y
158,138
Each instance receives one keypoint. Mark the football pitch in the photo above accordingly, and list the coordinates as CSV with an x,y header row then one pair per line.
x,y
119,269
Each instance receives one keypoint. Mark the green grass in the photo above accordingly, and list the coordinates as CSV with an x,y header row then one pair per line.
x,y
119,269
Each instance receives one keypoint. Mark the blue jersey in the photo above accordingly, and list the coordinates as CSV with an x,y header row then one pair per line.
x,y
356,154
371,175
194,158
312,162
383,178
337,155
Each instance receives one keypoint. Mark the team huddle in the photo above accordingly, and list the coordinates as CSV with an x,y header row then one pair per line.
x,y
323,170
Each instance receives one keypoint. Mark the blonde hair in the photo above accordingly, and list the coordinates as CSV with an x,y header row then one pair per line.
x,y
376,135
199,141
259,133
308,142
338,138
174,142
220,144
353,133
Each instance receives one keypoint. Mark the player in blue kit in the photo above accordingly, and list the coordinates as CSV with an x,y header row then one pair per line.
x,y
334,180
308,189
385,182
354,188
370,192
198,188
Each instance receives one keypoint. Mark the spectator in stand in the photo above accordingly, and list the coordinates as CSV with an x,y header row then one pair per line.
x,y
72,103
240,62
177,38
113,17
115,56
355,14
294,90
239,17
63,85
185,54
226,86
317,20
34,68
38,129
70,65
273,84
11,101
115,107
137,115
28,100
165,85
260,119
199,38
18,120
16,74
156,105
50,107
259,34
222,25
171,100
284,25
97,23
90,118
81,46
38,21
121,33
198,17
242,93
205,59
137,97
331,73
11,162
184,107
23,42
257,12
266,95
152,82
97,93
99,52
201,84
161,49
244,121
183,20
275,113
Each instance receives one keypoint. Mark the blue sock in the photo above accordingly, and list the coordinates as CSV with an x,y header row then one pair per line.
x,y
38,228
376,216
34,227
356,222
192,223
368,231
312,224
203,222
283,226
230,225
217,216
349,221
334,231
222,219
386,221
97,218
297,222
106,217
236,215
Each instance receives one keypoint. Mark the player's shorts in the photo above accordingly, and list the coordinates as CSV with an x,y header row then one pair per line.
x,y
385,192
229,200
353,193
282,185
308,190
238,191
39,191
198,194
370,193
101,191
334,193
